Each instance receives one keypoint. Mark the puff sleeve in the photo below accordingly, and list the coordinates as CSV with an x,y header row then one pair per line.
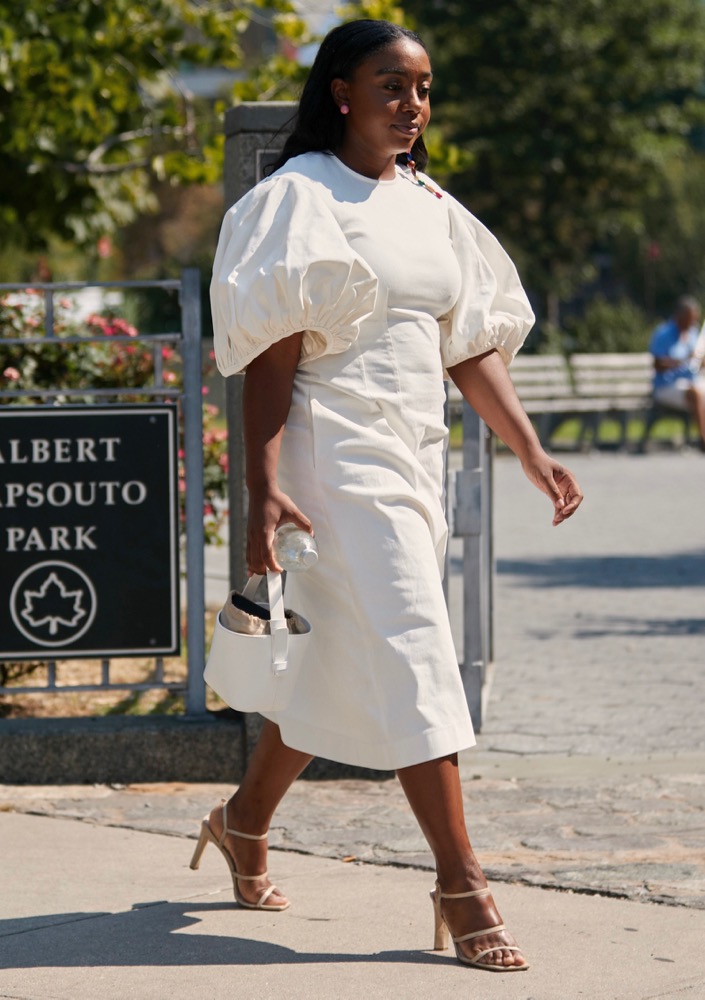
x,y
492,310
284,265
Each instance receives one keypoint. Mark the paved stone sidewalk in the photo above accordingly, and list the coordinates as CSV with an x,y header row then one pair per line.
x,y
117,913
590,771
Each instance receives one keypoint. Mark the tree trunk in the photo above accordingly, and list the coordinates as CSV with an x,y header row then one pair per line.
x,y
553,309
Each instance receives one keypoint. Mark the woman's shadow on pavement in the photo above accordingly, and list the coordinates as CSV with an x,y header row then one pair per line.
x,y
148,935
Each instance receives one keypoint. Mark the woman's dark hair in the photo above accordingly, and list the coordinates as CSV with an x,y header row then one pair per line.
x,y
318,124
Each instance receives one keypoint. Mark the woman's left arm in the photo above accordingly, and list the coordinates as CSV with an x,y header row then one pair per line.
x,y
485,383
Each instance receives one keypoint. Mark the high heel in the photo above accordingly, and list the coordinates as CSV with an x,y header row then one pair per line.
x,y
441,934
207,836
440,930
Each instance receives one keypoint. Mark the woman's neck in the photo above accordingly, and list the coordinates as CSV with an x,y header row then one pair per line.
x,y
379,167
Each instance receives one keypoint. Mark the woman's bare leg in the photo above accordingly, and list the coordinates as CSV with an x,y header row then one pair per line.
x,y
435,796
271,770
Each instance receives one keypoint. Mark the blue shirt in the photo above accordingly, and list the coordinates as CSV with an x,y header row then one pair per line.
x,y
666,342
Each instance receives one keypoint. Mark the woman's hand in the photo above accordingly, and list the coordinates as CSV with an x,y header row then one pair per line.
x,y
558,483
486,385
268,510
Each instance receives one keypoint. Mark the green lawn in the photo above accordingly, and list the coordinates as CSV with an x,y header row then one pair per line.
x,y
667,431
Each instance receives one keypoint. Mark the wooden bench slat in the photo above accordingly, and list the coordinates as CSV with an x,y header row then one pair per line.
x,y
589,385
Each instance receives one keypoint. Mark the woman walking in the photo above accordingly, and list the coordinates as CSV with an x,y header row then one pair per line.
x,y
344,284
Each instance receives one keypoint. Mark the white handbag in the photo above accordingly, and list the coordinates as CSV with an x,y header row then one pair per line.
x,y
257,673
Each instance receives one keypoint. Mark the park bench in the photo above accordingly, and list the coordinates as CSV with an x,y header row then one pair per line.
x,y
589,387
618,387
545,388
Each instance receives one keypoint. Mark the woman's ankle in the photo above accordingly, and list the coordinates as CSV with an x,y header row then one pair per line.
x,y
247,817
464,876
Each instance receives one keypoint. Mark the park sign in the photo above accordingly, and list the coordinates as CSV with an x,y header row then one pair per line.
x,y
88,531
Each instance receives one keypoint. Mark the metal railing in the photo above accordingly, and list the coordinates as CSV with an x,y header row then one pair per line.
x,y
187,341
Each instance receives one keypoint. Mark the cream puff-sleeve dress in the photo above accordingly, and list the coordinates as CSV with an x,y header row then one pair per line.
x,y
390,285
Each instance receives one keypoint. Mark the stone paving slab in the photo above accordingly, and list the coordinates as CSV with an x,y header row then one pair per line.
x,y
117,913
600,623
603,827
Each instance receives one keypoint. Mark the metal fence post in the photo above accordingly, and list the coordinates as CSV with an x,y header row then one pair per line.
x,y
193,465
473,522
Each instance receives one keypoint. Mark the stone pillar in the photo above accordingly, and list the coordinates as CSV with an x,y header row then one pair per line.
x,y
255,133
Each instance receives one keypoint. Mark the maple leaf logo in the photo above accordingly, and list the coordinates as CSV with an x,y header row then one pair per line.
x,y
53,604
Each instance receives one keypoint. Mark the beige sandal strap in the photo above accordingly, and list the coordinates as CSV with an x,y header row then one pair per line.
x,y
236,833
248,878
248,836
464,895
483,933
265,896
475,960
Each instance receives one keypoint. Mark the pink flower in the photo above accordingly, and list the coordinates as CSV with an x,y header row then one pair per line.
x,y
64,303
169,378
100,321
167,353
204,390
123,328
12,374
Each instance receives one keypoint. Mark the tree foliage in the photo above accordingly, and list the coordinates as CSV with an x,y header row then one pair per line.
x,y
280,78
91,108
568,111
607,326
664,256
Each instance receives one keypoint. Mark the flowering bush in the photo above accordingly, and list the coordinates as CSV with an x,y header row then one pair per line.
x,y
105,363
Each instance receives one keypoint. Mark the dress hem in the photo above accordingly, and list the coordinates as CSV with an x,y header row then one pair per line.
x,y
417,749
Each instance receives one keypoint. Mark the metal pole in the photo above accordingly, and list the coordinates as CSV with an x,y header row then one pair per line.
x,y
48,312
473,524
488,546
193,464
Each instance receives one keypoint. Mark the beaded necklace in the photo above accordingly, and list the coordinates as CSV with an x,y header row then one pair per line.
x,y
412,167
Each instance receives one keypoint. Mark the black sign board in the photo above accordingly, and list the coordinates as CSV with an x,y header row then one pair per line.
x,y
88,532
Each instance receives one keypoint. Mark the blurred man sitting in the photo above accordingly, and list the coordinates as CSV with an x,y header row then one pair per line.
x,y
678,349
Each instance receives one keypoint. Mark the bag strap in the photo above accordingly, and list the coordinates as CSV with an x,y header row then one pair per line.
x,y
250,588
278,629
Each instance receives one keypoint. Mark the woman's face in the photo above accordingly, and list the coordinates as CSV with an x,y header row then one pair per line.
x,y
388,98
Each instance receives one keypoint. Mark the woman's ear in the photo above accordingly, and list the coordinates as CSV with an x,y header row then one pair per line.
x,y
339,92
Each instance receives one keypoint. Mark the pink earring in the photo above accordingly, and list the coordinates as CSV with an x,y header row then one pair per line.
x,y
344,109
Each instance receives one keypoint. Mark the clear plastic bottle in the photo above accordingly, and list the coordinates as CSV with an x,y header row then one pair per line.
x,y
294,549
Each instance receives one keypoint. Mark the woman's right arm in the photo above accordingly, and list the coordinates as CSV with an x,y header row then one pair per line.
x,y
269,382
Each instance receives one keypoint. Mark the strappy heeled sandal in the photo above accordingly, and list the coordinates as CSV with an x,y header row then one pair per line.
x,y
441,933
208,836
